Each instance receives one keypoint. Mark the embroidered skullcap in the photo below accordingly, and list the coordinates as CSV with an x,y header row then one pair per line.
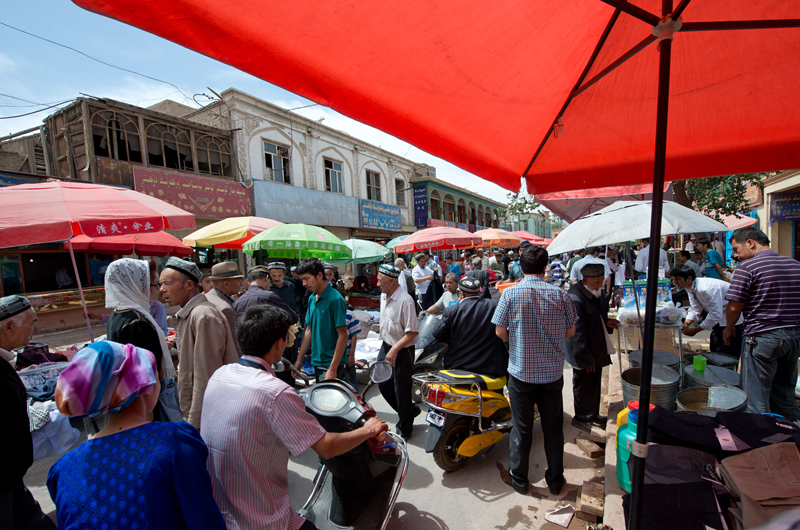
x,y
13,305
186,267
104,377
389,270
276,265
592,270
469,285
476,261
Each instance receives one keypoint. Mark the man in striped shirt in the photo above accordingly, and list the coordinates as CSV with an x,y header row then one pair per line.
x,y
535,317
766,289
252,421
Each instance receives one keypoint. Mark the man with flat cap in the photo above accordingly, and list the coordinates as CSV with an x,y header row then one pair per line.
x,y
467,329
398,331
587,350
227,281
204,338
18,508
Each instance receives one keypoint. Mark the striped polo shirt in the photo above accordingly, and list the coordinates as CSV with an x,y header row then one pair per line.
x,y
768,286
251,422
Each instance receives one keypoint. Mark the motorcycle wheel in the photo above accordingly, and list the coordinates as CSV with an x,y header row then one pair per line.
x,y
445,454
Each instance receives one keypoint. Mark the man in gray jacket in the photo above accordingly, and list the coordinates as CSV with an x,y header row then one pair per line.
x,y
227,282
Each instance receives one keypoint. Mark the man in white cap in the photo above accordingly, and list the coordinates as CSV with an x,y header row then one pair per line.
x,y
204,337
18,508
227,281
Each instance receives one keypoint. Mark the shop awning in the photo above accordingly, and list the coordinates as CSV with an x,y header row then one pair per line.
x,y
155,244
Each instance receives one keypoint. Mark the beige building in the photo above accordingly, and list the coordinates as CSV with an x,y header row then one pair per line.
x,y
779,212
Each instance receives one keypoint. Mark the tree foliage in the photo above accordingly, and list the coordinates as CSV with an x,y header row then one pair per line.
x,y
520,204
717,196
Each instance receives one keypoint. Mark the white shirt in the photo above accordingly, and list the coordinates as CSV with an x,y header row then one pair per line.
x,y
485,263
641,259
421,272
446,300
398,316
709,294
575,273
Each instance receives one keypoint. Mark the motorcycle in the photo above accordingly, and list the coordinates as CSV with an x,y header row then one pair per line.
x,y
428,351
358,489
467,412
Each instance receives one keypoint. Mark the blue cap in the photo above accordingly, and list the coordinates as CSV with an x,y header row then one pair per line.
x,y
633,416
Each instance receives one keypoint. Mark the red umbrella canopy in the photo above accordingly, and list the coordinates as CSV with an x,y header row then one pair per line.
x,y
572,205
563,93
438,238
56,211
536,240
149,244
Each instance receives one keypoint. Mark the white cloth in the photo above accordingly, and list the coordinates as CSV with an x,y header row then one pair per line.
x,y
398,317
709,294
644,255
575,273
128,287
421,272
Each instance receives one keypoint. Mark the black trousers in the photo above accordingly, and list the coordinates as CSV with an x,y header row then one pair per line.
x,y
718,345
397,391
586,393
19,510
523,396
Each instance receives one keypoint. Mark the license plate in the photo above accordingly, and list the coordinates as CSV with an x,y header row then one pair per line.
x,y
434,418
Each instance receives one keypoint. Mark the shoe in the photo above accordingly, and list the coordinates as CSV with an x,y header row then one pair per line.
x,y
582,425
600,421
555,489
517,487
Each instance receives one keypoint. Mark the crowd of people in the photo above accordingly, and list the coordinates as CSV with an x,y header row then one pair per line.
x,y
213,453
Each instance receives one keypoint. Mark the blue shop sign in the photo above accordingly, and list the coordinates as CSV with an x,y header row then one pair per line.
x,y
420,206
380,216
784,206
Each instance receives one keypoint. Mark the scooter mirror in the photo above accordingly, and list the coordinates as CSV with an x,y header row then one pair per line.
x,y
381,371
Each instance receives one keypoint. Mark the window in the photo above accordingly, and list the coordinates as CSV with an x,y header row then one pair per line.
x,y
525,225
400,190
168,146
373,186
214,156
333,176
276,158
116,135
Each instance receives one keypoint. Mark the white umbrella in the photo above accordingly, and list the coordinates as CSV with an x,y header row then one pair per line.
x,y
627,220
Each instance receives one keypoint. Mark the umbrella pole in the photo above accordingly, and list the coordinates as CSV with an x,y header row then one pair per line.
x,y
80,290
639,449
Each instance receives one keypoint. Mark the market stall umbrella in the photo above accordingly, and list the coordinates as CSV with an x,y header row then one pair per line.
x,y
298,241
56,211
438,238
734,222
497,237
527,236
150,244
574,204
229,233
393,242
625,220
363,251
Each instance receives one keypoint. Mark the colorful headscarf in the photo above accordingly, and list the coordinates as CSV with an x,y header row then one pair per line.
x,y
104,377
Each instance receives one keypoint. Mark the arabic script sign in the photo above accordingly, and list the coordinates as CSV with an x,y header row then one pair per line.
x,y
784,206
202,196
380,216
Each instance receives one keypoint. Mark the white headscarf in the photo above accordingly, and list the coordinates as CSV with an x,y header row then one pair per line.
x,y
128,287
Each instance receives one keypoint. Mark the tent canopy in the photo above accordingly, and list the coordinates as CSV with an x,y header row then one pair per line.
x,y
571,205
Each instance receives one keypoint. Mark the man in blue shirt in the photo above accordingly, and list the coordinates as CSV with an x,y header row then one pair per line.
x,y
713,260
452,266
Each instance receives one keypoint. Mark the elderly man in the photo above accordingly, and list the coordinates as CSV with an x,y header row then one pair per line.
x,y
766,289
484,259
227,281
449,297
276,282
482,276
326,324
587,350
535,366
467,329
252,423
18,508
204,337
398,331
707,294
405,277
423,277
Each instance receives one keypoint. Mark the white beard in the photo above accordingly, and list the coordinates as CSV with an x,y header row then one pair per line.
x,y
595,292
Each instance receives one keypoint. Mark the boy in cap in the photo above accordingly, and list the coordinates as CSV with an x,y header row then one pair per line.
x,y
204,337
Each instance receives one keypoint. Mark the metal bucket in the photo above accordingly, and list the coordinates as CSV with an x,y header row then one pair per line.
x,y
711,376
661,357
663,386
710,400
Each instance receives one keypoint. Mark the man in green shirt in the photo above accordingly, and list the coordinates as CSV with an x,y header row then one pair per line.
x,y
579,255
326,325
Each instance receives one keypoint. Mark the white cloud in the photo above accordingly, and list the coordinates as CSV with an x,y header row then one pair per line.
x,y
7,65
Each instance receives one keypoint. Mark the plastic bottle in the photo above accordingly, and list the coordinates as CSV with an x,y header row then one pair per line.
x,y
622,417
625,436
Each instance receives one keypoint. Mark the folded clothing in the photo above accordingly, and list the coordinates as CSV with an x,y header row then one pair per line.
x,y
689,506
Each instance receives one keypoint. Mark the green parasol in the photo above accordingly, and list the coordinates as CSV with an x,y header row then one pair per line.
x,y
298,241
363,252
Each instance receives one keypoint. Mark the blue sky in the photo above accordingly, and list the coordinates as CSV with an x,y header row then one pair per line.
x,y
41,72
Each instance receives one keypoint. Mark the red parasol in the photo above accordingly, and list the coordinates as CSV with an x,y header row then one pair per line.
x,y
438,238
572,205
153,244
536,240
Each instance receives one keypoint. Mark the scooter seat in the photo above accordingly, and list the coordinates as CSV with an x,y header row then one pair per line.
x,y
485,382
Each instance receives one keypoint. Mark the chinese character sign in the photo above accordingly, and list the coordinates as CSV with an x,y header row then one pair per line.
x,y
420,206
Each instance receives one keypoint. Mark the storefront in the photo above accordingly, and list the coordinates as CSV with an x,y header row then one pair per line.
x,y
781,211
438,203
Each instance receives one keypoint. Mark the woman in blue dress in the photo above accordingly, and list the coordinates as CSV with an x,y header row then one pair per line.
x,y
132,474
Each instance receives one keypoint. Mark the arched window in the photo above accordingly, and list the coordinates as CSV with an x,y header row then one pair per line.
x,y
115,135
214,156
168,146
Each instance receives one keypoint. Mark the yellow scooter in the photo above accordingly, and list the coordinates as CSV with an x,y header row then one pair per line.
x,y
467,412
